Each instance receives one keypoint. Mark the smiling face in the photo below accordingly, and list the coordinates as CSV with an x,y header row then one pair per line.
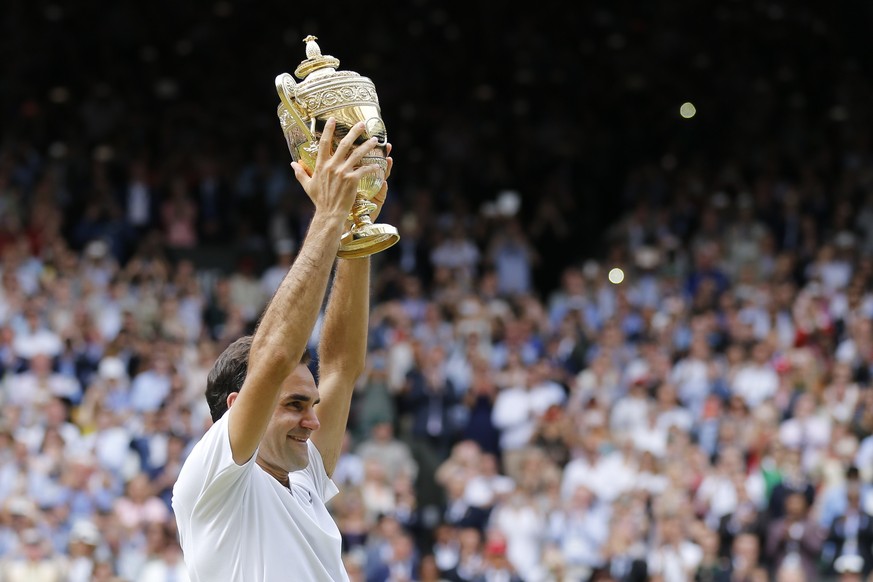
x,y
283,448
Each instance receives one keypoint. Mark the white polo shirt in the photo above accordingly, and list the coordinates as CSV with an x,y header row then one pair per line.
x,y
239,524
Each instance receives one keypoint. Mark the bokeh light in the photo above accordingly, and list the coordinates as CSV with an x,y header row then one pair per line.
x,y
615,275
687,110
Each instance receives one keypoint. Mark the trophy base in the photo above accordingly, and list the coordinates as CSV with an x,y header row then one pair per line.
x,y
366,241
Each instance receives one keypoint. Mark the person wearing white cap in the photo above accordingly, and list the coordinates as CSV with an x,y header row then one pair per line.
x,y
83,543
35,563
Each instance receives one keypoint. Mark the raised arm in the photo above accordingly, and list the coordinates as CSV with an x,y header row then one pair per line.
x,y
287,322
343,346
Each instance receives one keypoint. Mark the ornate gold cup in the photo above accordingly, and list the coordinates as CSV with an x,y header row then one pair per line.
x,y
347,96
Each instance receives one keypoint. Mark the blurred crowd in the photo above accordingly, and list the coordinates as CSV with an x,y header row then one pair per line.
x,y
612,344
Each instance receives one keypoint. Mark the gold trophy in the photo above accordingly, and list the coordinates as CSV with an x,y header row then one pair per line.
x,y
347,96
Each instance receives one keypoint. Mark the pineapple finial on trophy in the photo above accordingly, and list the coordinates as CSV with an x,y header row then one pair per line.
x,y
312,48
315,60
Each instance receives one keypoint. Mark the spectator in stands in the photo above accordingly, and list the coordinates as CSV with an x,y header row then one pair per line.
x,y
139,505
471,560
432,399
400,563
178,216
580,528
40,383
851,533
458,254
745,559
674,557
384,449
497,564
479,401
755,380
150,386
808,430
795,539
272,276
513,258
166,563
84,541
36,562
517,410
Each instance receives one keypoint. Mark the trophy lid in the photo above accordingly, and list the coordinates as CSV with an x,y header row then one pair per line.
x,y
324,91
314,60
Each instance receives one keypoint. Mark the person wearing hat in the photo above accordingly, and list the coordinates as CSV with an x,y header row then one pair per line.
x,y
21,514
35,562
82,546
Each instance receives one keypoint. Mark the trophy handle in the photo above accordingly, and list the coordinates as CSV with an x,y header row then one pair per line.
x,y
285,85
303,145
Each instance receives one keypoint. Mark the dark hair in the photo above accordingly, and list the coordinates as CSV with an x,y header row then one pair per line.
x,y
229,372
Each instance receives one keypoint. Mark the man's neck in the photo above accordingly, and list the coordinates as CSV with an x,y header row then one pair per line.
x,y
276,473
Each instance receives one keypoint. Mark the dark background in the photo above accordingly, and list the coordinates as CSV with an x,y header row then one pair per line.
x,y
561,102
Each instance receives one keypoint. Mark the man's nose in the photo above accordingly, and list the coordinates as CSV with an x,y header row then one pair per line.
x,y
310,420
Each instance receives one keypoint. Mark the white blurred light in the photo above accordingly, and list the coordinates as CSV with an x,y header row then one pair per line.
x,y
615,276
508,202
687,110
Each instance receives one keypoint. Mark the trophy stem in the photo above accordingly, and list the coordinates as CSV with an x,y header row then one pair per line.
x,y
365,238
361,212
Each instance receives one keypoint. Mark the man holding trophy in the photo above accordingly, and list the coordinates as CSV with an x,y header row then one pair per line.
x,y
250,498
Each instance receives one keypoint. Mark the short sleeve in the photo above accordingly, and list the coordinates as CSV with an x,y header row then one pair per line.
x,y
314,477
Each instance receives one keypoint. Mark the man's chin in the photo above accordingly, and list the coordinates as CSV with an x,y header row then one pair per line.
x,y
298,464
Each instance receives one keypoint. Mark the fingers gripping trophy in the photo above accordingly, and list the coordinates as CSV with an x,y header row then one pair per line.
x,y
350,98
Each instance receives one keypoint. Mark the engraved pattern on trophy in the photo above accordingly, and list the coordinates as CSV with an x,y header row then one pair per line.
x,y
343,96
350,98
293,134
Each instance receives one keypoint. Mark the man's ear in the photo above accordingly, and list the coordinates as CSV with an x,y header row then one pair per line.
x,y
231,398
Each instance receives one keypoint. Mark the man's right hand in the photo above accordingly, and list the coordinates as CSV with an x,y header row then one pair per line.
x,y
334,183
